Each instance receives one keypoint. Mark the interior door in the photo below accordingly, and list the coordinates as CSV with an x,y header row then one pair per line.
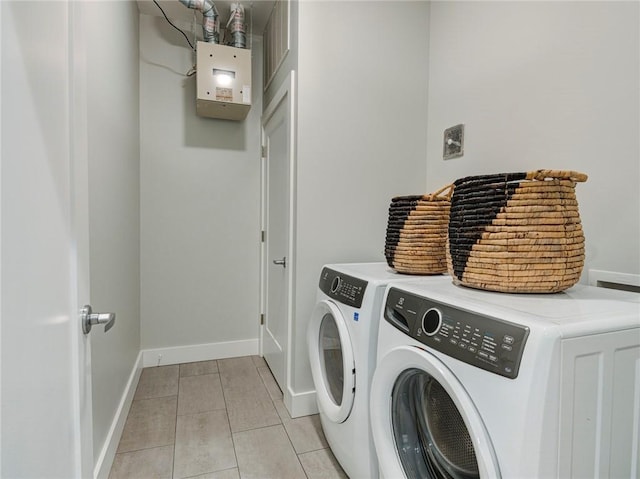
x,y
277,261
46,382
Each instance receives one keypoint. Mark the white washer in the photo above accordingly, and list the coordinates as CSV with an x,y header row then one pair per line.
x,y
472,384
342,337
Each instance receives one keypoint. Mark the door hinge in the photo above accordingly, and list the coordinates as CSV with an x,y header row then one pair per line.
x,y
262,235
261,319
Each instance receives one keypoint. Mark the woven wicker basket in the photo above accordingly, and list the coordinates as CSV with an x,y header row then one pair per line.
x,y
516,232
417,233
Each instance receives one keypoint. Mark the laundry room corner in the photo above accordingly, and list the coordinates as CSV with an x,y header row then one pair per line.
x,y
311,239
200,217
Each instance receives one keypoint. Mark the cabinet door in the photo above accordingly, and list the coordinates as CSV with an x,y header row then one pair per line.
x,y
599,398
276,39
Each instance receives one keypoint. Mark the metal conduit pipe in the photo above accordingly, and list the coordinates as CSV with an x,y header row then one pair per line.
x,y
210,18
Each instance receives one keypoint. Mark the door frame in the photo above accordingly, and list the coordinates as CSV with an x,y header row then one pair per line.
x,y
285,92
79,151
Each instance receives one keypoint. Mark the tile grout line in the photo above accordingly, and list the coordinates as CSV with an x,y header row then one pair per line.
x,y
273,401
204,410
157,446
233,443
175,428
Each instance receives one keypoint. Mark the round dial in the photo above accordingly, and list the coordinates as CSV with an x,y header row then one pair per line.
x,y
431,321
335,284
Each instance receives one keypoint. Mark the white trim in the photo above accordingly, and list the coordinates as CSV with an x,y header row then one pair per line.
x,y
293,226
300,404
198,352
596,275
79,225
263,226
280,95
105,459
1,162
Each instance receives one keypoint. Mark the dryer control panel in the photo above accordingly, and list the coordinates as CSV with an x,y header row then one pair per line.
x,y
342,287
489,343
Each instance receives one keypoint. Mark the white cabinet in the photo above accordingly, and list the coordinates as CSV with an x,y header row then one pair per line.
x,y
223,81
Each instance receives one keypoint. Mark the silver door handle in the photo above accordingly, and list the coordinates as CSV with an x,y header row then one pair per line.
x,y
282,262
90,319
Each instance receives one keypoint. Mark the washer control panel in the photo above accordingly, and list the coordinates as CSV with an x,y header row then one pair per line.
x,y
489,343
342,287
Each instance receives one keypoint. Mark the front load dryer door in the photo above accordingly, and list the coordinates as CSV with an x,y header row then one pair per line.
x,y
424,423
332,363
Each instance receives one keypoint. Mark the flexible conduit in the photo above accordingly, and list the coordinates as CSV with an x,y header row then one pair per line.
x,y
210,18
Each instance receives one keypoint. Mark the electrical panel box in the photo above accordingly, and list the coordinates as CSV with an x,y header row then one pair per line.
x,y
223,81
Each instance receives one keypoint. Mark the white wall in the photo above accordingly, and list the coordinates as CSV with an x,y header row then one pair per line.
x,y
200,203
362,102
545,85
114,191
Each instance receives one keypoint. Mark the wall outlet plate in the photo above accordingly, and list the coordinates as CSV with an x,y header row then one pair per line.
x,y
453,142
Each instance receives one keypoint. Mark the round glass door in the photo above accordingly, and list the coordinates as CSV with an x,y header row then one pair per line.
x,y
331,359
431,437
423,421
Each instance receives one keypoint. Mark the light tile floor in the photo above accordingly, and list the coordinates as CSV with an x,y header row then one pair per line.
x,y
221,419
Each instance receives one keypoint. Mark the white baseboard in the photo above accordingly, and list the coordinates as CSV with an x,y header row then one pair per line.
x,y
108,452
199,352
300,404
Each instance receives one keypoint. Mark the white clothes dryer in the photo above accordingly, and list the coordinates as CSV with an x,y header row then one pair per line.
x,y
342,338
475,384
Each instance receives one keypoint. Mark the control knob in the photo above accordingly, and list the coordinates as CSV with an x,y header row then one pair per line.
x,y
431,321
335,284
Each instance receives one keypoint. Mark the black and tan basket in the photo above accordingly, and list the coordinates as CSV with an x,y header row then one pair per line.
x,y
516,232
417,233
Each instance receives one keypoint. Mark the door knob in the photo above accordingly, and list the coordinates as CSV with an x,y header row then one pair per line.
x,y
282,262
89,319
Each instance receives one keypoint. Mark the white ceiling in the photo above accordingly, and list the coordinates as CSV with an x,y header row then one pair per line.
x,y
256,11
